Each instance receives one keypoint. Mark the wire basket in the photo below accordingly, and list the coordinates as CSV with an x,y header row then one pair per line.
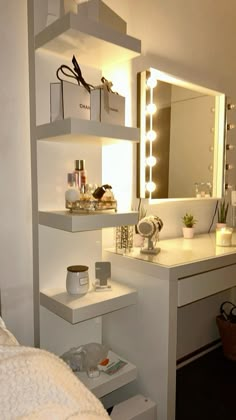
x,y
227,329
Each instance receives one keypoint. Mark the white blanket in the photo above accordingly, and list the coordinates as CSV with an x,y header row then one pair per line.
x,y
37,385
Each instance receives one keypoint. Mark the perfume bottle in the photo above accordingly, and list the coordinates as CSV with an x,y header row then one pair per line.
x,y
80,175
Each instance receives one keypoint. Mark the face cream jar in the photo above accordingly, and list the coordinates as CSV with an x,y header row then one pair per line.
x,y
77,280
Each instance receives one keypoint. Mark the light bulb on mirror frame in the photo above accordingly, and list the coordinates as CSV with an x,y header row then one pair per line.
x,y
150,186
229,166
230,147
231,106
151,161
230,126
151,135
151,109
151,82
228,187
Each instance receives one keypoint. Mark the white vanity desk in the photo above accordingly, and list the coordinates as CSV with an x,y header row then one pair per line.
x,y
183,272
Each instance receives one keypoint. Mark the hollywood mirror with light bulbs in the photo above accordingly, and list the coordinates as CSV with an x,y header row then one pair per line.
x,y
183,151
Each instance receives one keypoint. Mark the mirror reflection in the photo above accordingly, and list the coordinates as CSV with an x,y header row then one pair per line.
x,y
182,138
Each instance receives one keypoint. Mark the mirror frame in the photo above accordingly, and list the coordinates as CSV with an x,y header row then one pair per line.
x,y
219,155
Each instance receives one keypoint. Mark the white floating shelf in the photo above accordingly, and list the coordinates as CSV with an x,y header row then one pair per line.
x,y
76,309
72,129
105,384
72,222
93,43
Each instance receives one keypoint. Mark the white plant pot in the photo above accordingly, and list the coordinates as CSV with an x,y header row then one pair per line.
x,y
188,232
220,225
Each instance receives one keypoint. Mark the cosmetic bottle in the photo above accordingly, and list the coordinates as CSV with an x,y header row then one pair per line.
x,y
80,175
71,180
72,193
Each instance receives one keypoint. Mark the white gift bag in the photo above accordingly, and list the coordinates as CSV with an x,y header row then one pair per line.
x,y
107,106
68,100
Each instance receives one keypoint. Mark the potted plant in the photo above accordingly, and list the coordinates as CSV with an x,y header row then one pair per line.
x,y
222,213
188,229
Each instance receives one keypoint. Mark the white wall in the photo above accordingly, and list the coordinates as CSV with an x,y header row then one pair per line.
x,y
16,281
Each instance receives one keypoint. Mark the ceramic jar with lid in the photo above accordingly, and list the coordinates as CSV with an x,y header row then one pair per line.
x,y
77,280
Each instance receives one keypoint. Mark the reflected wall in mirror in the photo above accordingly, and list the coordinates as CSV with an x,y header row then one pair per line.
x,y
182,144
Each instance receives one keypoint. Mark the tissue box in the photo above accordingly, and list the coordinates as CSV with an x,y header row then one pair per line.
x,y
107,107
68,100
99,12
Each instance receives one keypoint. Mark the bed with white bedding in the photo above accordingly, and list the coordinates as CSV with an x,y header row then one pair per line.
x,y
38,385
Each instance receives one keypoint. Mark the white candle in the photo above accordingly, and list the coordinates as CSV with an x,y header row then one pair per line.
x,y
224,236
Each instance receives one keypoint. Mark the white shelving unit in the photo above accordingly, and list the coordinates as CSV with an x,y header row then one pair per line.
x,y
104,383
95,44
72,222
72,129
95,303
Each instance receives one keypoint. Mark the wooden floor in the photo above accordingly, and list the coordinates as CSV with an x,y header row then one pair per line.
x,y
206,389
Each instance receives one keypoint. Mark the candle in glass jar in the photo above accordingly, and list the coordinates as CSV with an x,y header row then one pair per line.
x,y
224,236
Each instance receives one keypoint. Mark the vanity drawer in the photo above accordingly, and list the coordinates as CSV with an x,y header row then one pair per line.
x,y
205,284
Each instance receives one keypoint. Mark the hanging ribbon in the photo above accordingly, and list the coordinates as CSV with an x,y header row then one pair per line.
x,y
74,74
106,86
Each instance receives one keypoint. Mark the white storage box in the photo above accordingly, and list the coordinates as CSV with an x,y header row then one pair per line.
x,y
68,100
107,107
135,408
99,12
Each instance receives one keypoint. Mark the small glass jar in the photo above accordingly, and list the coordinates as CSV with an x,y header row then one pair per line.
x,y
77,280
224,236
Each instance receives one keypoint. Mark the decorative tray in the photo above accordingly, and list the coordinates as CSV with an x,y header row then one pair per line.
x,y
91,205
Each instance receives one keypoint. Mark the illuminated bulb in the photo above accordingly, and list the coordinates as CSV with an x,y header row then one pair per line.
x,y
151,135
151,161
228,186
210,167
230,126
213,109
231,106
229,166
211,148
229,147
151,109
150,186
212,130
151,82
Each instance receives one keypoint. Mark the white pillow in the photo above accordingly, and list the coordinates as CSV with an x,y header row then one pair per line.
x,y
6,337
